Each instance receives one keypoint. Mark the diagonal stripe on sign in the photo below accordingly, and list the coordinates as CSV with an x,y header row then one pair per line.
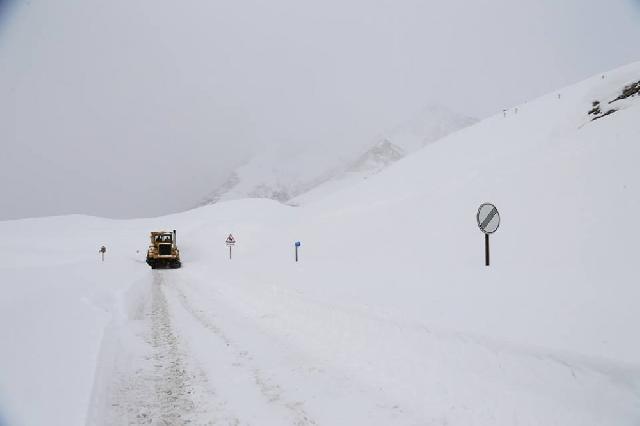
x,y
490,216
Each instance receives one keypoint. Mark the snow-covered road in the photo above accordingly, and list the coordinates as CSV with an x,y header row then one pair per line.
x,y
193,351
162,371
152,378
185,355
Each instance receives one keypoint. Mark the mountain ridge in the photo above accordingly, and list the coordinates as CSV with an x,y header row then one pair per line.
x,y
274,176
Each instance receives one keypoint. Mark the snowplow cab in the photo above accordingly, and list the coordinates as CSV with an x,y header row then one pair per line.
x,y
163,251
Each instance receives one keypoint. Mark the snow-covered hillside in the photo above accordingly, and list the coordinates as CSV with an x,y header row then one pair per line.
x,y
180,94
282,174
390,317
433,123
278,174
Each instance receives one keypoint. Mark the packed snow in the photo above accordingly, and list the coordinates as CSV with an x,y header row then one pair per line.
x,y
389,317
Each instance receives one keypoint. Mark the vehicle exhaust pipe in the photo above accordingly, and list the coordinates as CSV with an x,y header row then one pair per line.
x,y
175,243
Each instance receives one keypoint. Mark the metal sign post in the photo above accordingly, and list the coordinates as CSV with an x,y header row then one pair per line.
x,y
488,221
102,251
297,244
486,249
230,243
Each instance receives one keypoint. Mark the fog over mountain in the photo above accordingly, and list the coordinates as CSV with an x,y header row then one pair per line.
x,y
282,174
140,108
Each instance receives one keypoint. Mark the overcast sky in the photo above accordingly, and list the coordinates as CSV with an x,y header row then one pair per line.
x,y
128,108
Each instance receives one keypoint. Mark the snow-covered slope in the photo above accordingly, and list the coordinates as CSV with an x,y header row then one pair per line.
x,y
390,317
432,124
194,86
280,174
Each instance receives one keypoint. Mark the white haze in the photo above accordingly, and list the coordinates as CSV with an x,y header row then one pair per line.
x,y
139,108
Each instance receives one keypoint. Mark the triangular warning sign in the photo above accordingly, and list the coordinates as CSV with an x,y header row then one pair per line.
x,y
230,239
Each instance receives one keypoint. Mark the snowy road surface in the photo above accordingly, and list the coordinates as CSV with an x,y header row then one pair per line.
x,y
187,357
162,379
199,352
153,380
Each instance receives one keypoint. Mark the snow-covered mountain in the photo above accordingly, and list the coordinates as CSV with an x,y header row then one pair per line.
x,y
432,124
281,175
278,174
389,318
194,86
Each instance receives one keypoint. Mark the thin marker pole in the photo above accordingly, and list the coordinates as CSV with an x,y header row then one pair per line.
x,y
486,249
229,252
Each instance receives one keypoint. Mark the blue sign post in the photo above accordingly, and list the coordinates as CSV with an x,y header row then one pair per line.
x,y
297,245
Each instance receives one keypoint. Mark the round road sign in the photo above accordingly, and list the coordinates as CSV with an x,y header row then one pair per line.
x,y
488,218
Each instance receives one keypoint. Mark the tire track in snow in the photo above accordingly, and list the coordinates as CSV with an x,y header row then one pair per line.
x,y
271,392
165,388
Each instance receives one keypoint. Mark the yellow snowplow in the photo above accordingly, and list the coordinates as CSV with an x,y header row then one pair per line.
x,y
163,251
